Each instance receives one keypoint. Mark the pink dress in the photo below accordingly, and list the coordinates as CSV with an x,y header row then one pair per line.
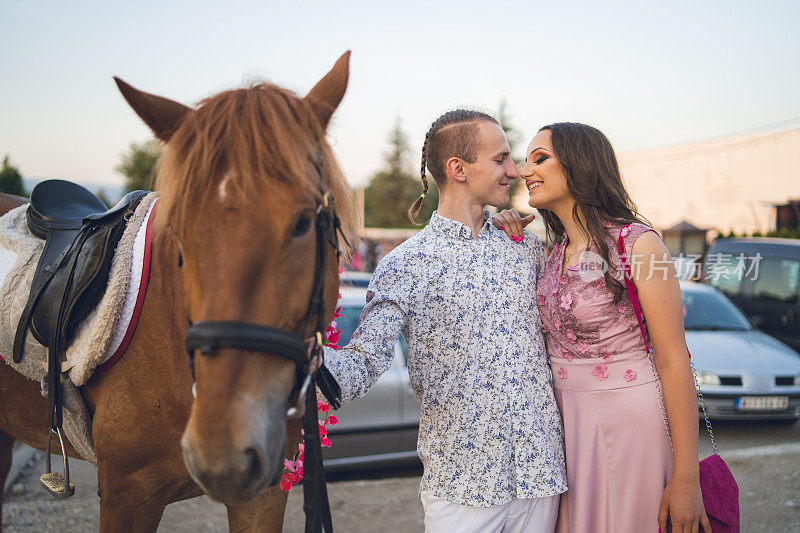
x,y
618,455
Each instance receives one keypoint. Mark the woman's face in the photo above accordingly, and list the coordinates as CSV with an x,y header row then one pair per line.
x,y
543,174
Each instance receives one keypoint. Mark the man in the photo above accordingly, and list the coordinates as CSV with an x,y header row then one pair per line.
x,y
463,295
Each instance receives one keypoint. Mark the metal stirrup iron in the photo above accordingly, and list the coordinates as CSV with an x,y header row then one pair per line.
x,y
56,484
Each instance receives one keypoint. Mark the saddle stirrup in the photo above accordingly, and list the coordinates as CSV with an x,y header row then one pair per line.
x,y
56,484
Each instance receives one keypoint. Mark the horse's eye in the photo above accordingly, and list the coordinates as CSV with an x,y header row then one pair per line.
x,y
303,226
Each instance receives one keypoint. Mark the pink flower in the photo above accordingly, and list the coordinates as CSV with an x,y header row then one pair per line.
x,y
625,231
608,358
557,324
540,299
287,481
567,355
544,327
571,335
563,279
562,373
323,407
322,430
333,420
583,347
325,442
555,289
566,301
601,371
630,375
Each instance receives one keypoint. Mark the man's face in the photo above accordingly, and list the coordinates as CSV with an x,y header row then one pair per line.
x,y
489,177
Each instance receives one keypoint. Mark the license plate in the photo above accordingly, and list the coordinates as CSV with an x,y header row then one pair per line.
x,y
762,403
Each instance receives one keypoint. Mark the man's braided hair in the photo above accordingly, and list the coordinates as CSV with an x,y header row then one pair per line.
x,y
454,134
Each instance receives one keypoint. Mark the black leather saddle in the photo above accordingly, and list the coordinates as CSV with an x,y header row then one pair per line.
x,y
80,235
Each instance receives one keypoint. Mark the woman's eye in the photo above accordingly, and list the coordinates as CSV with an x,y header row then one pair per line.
x,y
302,227
539,160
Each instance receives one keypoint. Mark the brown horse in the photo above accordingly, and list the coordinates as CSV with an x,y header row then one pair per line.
x,y
233,239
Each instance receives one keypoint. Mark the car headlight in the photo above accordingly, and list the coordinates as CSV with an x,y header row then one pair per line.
x,y
710,378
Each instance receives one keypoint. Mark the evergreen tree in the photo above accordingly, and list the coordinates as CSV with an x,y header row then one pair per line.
x,y
391,191
11,179
139,165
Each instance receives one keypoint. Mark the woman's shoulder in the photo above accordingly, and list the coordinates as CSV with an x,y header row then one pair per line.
x,y
617,227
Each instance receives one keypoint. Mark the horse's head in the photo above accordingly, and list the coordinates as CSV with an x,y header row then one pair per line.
x,y
240,182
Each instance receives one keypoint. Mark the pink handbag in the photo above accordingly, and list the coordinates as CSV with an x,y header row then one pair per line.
x,y
720,491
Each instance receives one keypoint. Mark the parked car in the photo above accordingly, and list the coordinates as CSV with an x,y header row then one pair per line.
x,y
743,372
380,428
762,277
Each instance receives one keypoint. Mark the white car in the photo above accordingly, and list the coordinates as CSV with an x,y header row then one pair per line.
x,y
743,372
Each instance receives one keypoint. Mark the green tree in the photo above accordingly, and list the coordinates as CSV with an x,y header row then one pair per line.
x,y
392,190
514,139
11,179
139,165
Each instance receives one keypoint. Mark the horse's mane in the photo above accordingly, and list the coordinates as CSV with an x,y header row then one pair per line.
x,y
254,134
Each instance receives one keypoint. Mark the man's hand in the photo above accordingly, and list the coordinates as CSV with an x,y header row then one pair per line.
x,y
509,221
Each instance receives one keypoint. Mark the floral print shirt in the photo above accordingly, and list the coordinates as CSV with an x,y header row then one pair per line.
x,y
489,430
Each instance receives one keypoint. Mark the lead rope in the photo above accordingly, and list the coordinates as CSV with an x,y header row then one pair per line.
x,y
636,308
315,490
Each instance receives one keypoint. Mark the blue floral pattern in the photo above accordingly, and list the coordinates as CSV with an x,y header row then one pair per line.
x,y
490,430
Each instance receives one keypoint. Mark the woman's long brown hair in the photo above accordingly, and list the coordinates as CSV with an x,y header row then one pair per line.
x,y
595,182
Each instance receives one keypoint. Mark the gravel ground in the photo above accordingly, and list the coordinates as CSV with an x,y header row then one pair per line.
x,y
769,496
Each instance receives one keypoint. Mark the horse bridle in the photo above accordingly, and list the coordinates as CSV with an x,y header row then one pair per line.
x,y
208,337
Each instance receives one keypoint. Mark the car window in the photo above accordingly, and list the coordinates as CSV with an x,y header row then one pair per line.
x,y
404,346
726,272
777,279
712,311
348,322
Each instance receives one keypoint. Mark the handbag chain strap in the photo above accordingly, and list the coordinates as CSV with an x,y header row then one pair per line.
x,y
647,346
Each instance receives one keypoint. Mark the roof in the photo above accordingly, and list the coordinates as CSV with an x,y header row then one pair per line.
x,y
685,227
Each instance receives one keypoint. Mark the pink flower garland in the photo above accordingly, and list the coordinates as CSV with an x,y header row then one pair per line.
x,y
294,467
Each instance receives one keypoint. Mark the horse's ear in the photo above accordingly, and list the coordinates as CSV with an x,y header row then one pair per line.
x,y
327,94
161,114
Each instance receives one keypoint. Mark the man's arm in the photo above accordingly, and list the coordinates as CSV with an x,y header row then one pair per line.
x,y
369,354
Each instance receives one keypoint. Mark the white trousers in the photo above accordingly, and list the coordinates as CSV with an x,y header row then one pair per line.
x,y
529,515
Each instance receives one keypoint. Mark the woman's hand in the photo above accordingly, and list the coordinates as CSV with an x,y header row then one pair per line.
x,y
509,221
682,502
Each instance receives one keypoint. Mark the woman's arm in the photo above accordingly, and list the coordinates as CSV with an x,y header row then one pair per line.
x,y
660,297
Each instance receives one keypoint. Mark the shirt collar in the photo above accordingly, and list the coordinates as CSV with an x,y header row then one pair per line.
x,y
454,229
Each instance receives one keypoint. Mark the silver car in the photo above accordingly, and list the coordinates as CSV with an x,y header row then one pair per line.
x,y
381,427
743,372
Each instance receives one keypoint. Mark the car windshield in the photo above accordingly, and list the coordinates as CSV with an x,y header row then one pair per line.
x,y
712,311
348,322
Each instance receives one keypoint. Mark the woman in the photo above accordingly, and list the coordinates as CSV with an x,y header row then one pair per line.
x,y
622,474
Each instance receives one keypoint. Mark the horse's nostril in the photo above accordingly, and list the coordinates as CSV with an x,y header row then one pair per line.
x,y
253,466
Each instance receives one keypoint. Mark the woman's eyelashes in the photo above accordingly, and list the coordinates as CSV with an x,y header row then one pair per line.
x,y
539,160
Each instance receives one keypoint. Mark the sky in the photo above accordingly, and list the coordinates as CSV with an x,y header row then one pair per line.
x,y
647,74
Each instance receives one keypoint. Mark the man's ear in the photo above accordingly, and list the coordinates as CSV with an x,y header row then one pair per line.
x,y
455,169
